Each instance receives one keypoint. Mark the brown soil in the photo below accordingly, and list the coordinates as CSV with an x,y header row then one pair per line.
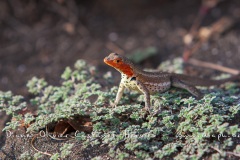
x,y
41,38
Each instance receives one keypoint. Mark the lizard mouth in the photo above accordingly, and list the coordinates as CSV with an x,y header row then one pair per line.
x,y
106,60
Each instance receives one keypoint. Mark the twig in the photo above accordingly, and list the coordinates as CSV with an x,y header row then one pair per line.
x,y
33,140
229,153
213,66
202,12
204,34
190,47
188,51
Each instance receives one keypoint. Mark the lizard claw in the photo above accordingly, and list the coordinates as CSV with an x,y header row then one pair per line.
x,y
146,108
146,111
152,113
112,104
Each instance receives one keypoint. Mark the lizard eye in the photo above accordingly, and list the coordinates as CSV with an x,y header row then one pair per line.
x,y
117,61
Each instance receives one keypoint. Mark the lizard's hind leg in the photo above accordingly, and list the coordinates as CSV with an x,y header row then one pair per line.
x,y
193,90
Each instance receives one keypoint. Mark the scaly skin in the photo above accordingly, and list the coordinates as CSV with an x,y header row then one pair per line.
x,y
149,83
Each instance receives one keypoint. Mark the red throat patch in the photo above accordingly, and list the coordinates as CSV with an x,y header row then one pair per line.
x,y
121,66
126,69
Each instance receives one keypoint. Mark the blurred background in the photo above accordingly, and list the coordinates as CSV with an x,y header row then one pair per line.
x,y
40,38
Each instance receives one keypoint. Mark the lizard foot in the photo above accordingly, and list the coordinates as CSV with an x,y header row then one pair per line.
x,y
152,113
146,111
112,104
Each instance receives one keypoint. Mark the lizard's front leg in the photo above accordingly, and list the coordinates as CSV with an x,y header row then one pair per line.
x,y
119,93
146,93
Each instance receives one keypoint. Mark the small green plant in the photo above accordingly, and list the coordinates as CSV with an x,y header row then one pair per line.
x,y
184,128
65,152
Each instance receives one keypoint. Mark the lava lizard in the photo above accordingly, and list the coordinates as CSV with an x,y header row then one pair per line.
x,y
148,83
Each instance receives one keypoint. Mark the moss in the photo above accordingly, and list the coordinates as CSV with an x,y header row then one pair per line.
x,y
184,129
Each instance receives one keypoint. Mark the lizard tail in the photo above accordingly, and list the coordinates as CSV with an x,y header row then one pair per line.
x,y
196,81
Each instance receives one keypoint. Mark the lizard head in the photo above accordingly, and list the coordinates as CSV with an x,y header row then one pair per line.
x,y
120,63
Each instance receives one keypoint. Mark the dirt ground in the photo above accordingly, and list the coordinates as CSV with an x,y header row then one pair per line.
x,y
41,38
